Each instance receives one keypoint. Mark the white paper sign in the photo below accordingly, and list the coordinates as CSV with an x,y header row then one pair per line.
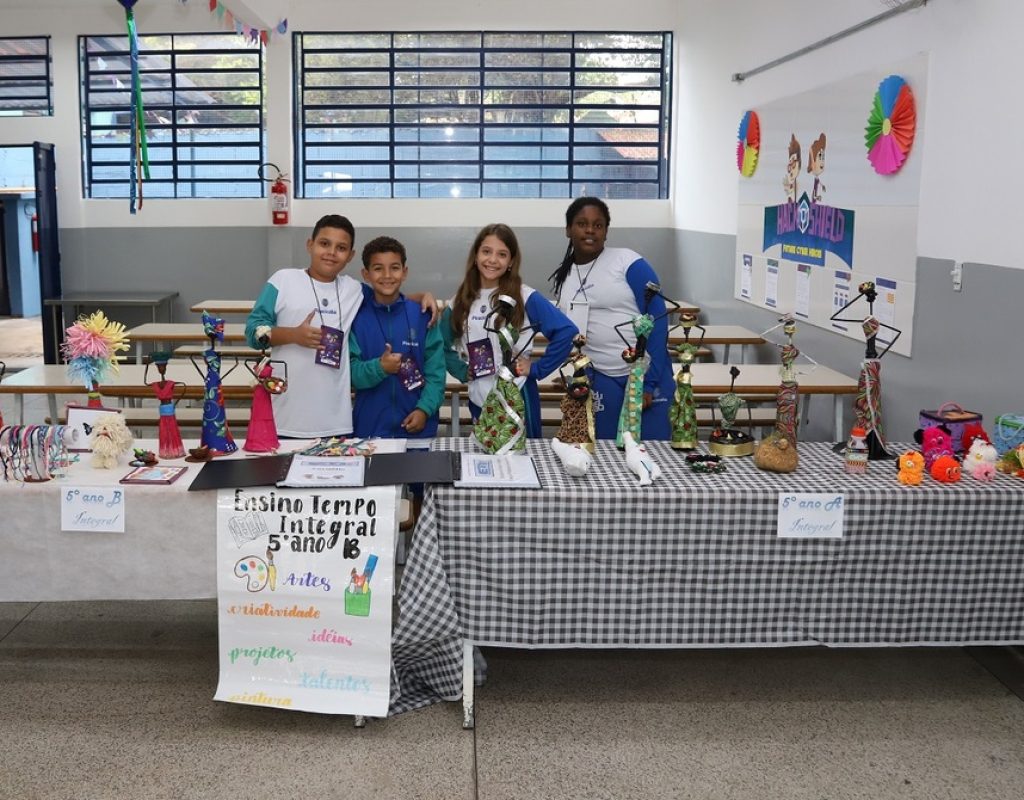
x,y
802,298
810,515
98,509
885,308
746,276
304,585
771,283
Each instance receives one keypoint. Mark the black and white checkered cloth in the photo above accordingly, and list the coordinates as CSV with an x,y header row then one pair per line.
x,y
694,561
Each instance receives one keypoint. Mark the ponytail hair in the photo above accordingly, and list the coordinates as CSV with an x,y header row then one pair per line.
x,y
558,277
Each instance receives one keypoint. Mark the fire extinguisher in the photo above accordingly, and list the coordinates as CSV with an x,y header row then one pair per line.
x,y
35,233
279,200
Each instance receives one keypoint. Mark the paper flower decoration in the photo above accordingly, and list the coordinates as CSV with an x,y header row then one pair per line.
x,y
90,348
749,144
891,125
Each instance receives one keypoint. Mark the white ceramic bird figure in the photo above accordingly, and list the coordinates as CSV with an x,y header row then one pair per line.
x,y
638,460
575,460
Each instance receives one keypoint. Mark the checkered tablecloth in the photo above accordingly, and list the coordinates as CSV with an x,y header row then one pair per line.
x,y
694,561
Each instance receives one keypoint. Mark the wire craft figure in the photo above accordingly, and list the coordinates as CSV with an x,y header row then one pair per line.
x,y
636,356
726,439
683,415
867,407
501,427
261,435
216,436
168,433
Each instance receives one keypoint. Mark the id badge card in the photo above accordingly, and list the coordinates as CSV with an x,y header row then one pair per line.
x,y
481,358
409,374
579,314
329,354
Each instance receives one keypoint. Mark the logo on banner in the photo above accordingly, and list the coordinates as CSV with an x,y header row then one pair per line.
x,y
806,231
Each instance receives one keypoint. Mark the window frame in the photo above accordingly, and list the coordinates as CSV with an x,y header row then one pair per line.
x,y
47,62
576,160
175,162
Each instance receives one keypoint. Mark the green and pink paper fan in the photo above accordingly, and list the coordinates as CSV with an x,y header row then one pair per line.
x,y
891,125
748,144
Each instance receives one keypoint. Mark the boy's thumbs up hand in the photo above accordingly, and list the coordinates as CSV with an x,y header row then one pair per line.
x,y
390,362
307,334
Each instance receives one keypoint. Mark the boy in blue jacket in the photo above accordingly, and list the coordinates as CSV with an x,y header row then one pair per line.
x,y
396,359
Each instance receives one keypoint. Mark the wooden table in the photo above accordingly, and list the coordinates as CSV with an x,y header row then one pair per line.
x,y
223,306
179,333
52,380
154,301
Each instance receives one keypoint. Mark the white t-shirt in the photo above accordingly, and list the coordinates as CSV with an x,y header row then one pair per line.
x,y
479,388
318,401
602,283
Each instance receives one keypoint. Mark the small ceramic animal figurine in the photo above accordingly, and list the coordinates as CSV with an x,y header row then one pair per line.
x,y
575,458
638,460
911,465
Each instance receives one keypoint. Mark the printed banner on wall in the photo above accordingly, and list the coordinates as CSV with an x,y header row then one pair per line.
x,y
304,585
817,204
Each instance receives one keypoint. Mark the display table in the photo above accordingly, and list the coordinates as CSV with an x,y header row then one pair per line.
x,y
694,561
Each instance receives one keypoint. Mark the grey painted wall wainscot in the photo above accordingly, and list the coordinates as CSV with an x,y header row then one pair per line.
x,y
967,345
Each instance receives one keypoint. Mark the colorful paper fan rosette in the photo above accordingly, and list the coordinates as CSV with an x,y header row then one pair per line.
x,y
748,144
891,126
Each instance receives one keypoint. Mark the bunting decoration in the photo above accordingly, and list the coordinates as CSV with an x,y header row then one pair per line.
x,y
250,32
138,160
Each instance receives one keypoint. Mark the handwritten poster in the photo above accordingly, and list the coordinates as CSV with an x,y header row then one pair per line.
x,y
810,515
304,586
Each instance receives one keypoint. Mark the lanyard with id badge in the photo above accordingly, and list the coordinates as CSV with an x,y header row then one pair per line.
x,y
480,354
328,354
578,307
409,373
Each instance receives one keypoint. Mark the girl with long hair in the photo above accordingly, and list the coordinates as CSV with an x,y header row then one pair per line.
x,y
473,352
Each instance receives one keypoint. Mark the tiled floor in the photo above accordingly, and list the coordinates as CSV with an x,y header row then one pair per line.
x,y
113,700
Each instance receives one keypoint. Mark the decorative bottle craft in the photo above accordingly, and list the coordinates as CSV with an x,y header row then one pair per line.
x,y
856,460
777,451
169,435
578,404
216,435
501,427
683,414
261,436
633,400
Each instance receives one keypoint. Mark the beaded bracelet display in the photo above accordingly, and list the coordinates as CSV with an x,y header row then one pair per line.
x,y
32,452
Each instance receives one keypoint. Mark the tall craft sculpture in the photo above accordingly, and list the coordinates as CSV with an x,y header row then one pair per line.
x,y
636,356
777,452
168,433
261,436
501,427
577,405
683,414
216,435
867,407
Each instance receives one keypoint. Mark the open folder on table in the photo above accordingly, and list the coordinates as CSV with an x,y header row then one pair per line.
x,y
497,472
381,469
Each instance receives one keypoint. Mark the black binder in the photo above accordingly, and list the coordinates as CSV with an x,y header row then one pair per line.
x,y
382,469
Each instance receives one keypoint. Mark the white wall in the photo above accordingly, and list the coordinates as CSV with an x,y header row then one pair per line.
x,y
971,172
64,20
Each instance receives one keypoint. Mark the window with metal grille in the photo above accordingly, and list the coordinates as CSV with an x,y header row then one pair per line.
x,y
202,95
478,114
25,78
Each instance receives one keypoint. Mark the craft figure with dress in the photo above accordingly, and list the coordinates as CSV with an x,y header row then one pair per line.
x,y
216,436
867,407
637,357
261,436
168,394
683,414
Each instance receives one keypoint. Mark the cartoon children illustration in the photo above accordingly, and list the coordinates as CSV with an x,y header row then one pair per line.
x,y
792,169
816,166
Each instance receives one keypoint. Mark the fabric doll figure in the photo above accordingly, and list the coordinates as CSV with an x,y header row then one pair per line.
x,y
216,435
261,436
633,401
683,414
578,404
501,427
170,444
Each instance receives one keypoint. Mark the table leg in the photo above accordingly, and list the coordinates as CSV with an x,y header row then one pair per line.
x,y
52,400
138,352
358,721
468,709
725,355
456,413
837,410
19,408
